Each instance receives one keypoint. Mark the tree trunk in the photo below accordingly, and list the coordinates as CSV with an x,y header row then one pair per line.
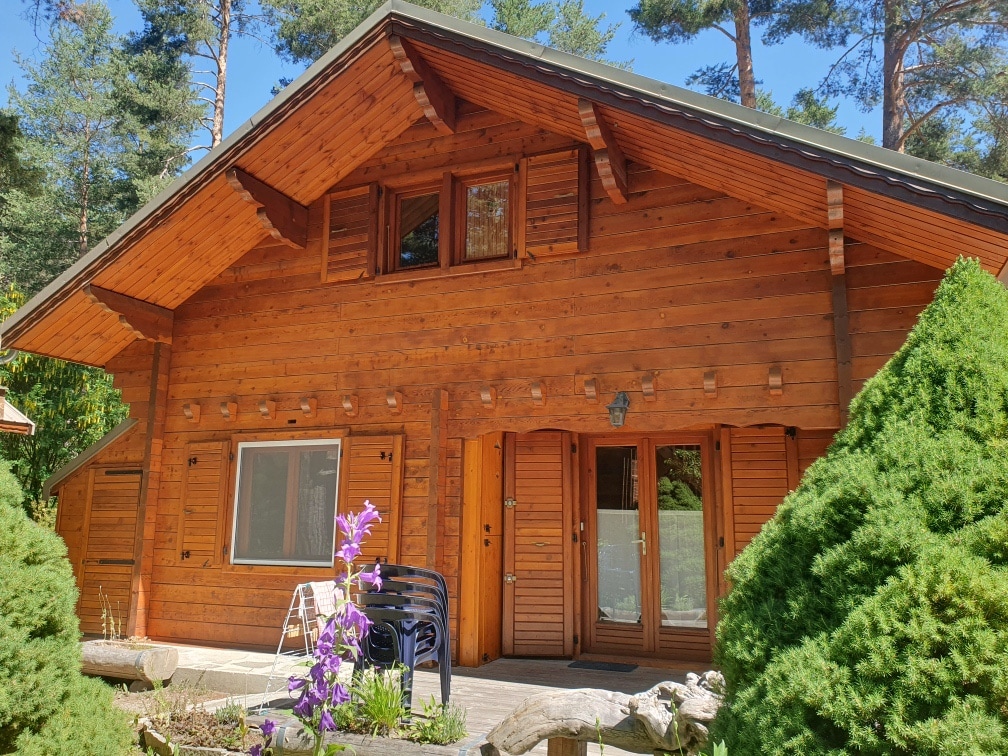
x,y
893,90
217,132
671,717
743,53
85,196
119,660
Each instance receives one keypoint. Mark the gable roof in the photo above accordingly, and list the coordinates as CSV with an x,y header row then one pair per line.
x,y
356,99
75,464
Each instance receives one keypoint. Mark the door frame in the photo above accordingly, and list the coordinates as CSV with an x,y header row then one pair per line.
x,y
654,640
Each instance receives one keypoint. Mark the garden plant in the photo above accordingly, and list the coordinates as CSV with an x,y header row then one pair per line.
x,y
870,616
46,706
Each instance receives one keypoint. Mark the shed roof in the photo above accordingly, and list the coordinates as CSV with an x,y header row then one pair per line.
x,y
12,420
199,225
75,464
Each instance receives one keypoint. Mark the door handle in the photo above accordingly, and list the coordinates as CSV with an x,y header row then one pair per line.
x,y
643,542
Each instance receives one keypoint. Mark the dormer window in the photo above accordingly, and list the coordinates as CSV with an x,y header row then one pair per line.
x,y
417,222
487,232
463,219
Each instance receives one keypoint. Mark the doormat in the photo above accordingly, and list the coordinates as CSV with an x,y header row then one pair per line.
x,y
602,666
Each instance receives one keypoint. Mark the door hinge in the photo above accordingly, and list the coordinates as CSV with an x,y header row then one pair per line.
x,y
576,640
720,542
509,578
510,503
192,461
574,537
573,448
717,446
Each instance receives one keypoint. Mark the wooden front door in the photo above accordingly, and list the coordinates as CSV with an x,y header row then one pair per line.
x,y
110,537
649,546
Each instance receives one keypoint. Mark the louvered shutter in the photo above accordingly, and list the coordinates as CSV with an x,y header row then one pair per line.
x,y
349,233
200,518
374,472
554,205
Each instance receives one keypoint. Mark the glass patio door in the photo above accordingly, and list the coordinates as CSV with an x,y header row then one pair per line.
x,y
647,544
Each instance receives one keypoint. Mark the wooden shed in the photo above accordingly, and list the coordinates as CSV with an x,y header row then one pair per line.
x,y
431,273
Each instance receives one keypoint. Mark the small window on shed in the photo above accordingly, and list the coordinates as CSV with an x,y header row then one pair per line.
x,y
285,502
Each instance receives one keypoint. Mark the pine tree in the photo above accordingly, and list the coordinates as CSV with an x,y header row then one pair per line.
x,y
870,616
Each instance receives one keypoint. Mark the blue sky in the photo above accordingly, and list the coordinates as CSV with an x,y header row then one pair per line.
x,y
254,68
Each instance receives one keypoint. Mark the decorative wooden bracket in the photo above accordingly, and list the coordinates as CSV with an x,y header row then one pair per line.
x,y
350,404
775,380
591,389
394,400
841,314
710,383
267,408
146,320
285,219
609,160
538,390
488,396
192,411
648,386
834,214
433,95
229,410
309,405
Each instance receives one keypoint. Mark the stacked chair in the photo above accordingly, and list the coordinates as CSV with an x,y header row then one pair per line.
x,y
410,624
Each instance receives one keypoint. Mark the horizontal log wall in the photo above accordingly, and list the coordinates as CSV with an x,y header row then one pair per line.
x,y
680,281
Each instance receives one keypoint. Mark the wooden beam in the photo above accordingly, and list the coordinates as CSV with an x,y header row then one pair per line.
x,y
146,320
841,316
609,160
437,100
835,218
284,219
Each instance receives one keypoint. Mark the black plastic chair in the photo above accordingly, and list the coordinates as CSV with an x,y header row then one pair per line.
x,y
410,613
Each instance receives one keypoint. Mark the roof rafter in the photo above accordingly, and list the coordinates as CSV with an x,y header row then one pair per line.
x,y
146,320
609,159
285,219
437,100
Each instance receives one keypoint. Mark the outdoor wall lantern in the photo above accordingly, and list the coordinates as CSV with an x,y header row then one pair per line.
x,y
618,408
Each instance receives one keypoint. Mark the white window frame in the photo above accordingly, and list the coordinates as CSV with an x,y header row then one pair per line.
x,y
338,443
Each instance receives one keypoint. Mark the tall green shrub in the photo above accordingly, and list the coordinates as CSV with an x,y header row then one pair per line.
x,y
870,616
45,703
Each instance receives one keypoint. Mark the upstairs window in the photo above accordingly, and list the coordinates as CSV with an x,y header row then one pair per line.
x,y
285,502
418,220
462,219
487,220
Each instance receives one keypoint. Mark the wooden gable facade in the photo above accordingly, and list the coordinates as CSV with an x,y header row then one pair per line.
x,y
420,277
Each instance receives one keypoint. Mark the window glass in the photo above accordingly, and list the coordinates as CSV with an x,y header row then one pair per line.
x,y
285,502
486,233
418,231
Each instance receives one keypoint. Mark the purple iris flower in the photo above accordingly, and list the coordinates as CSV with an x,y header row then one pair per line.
x,y
304,708
349,551
255,750
268,728
295,683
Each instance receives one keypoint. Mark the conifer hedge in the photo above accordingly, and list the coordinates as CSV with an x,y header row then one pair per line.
x,y
870,616
46,705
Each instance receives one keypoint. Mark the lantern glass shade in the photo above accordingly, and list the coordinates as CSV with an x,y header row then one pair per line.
x,y
618,409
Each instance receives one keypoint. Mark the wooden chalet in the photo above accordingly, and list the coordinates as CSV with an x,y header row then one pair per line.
x,y
428,274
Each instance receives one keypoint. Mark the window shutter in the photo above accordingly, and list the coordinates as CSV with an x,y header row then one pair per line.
x,y
556,204
374,472
200,520
349,234
759,479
